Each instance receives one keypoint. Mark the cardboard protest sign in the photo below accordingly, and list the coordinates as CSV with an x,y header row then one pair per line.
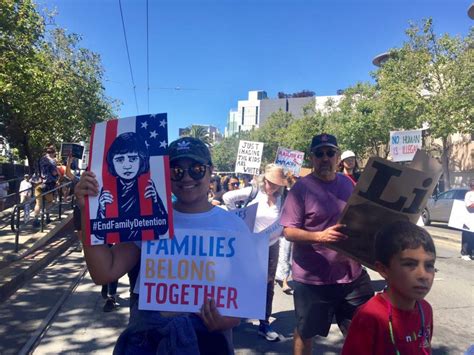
x,y
129,158
289,159
249,157
74,149
404,144
460,217
248,214
386,192
178,274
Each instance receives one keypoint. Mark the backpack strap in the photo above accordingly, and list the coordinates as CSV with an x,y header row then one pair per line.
x,y
253,194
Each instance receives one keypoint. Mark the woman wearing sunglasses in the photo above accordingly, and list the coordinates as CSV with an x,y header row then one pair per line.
x,y
190,170
269,200
231,183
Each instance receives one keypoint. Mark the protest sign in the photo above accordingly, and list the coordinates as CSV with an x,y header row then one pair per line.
x,y
289,159
74,149
248,214
460,217
386,192
249,157
404,144
178,274
129,158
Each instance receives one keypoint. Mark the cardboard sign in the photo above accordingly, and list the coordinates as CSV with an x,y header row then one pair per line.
x,y
178,274
460,217
248,214
290,160
249,157
74,149
129,158
386,192
404,144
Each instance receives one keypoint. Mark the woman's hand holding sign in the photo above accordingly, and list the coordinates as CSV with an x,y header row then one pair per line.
x,y
87,186
213,320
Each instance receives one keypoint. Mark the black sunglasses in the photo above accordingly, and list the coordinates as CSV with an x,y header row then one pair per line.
x,y
196,171
321,153
235,184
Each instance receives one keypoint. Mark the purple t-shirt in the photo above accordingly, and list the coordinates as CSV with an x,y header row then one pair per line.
x,y
314,205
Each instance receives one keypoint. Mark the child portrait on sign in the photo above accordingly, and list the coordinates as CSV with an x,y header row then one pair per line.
x,y
127,160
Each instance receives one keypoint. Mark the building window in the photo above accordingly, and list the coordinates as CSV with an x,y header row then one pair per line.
x,y
256,116
243,114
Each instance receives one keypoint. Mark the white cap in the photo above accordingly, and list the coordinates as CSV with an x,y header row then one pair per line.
x,y
347,154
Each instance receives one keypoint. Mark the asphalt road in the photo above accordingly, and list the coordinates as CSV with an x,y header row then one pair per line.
x,y
80,326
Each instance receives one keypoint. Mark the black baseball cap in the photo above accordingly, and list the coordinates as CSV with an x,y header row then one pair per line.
x,y
190,147
323,140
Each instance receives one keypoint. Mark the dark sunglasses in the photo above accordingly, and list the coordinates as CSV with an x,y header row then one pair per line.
x,y
235,184
321,153
196,171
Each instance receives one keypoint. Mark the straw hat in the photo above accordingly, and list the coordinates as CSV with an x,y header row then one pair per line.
x,y
275,174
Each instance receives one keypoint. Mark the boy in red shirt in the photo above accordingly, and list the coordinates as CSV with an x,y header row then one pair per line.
x,y
398,320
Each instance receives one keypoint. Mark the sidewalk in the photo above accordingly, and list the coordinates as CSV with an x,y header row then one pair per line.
x,y
34,251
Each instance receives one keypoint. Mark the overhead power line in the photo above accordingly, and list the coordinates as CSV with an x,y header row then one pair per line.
x,y
128,55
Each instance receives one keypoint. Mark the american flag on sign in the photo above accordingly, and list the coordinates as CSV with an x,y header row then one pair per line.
x,y
129,158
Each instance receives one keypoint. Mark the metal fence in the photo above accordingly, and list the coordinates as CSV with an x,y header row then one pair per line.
x,y
56,207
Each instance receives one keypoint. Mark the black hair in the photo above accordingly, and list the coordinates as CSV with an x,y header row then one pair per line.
x,y
398,236
129,142
217,180
355,171
225,184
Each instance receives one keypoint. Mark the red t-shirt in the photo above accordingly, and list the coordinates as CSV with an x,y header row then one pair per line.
x,y
369,332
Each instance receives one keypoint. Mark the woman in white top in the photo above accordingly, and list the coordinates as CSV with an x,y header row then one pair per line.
x,y
269,199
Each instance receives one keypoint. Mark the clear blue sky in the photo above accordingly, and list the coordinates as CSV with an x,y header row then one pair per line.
x,y
216,51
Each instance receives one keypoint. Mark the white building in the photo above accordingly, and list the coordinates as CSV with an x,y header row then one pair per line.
x,y
213,132
254,111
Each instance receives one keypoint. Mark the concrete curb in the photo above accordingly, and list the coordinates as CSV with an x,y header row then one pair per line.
x,y
18,272
36,241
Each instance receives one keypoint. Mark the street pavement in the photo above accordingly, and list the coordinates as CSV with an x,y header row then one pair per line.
x,y
64,298
82,327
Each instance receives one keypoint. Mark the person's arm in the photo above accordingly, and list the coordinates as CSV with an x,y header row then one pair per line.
x,y
105,264
230,198
68,172
329,235
469,199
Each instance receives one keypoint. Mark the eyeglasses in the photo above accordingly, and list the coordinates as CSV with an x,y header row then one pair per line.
x,y
235,184
196,171
320,153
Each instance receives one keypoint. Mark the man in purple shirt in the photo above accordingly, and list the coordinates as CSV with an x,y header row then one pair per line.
x,y
327,283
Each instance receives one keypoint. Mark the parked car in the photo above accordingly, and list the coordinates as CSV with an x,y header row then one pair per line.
x,y
438,208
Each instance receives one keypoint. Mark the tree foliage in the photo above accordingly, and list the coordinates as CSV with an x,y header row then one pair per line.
x,y
430,81
50,87
199,132
303,93
224,154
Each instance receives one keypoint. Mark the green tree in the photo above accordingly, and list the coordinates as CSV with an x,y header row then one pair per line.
x,y
429,80
272,134
359,124
50,90
224,154
199,132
